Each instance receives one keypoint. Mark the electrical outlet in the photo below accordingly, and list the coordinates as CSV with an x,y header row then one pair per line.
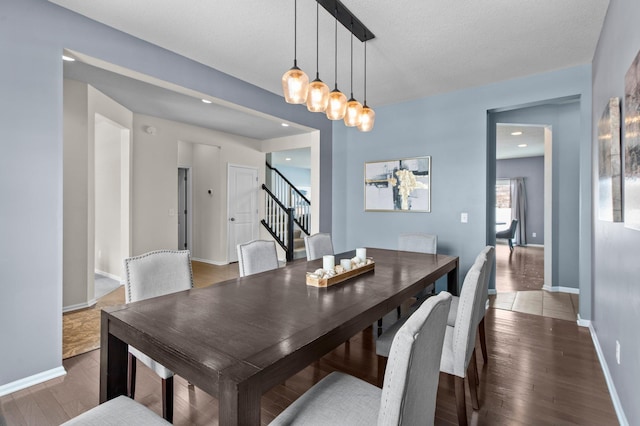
x,y
533,235
618,352
464,217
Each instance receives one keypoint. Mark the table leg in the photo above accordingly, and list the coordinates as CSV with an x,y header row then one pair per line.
x,y
113,363
238,404
452,279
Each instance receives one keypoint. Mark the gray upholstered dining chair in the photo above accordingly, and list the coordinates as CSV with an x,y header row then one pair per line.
x,y
257,256
318,245
118,411
420,243
458,352
489,253
509,234
408,396
150,275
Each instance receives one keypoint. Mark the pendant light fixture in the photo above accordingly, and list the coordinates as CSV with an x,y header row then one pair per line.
x,y
295,83
352,117
367,116
318,96
337,106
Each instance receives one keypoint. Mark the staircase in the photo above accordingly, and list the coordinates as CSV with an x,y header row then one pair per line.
x,y
287,214
299,250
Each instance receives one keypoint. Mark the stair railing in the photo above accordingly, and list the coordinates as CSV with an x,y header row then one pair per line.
x,y
279,221
290,196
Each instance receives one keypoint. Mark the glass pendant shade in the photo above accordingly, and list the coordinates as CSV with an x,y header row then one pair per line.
x,y
337,106
353,116
367,118
318,97
295,85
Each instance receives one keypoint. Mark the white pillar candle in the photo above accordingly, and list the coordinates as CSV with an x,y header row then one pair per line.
x,y
328,262
346,264
361,253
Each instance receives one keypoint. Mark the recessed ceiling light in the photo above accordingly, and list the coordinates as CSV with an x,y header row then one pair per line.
x,y
287,159
522,145
206,101
284,125
67,58
518,133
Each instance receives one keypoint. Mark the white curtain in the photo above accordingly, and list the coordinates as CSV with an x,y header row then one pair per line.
x,y
519,209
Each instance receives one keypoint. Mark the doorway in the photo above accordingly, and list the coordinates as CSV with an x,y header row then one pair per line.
x,y
242,202
184,209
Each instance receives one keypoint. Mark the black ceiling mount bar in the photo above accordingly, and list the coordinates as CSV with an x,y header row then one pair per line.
x,y
347,19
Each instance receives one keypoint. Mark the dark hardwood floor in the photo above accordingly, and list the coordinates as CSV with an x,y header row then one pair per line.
x,y
519,270
541,371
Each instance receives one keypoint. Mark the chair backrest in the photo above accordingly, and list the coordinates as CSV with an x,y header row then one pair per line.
x,y
157,273
464,333
489,253
318,245
257,256
413,369
418,242
512,228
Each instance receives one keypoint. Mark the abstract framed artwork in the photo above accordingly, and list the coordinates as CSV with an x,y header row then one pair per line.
x,y
609,177
632,145
402,185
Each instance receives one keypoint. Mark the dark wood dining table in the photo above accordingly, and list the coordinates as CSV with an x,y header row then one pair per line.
x,y
237,339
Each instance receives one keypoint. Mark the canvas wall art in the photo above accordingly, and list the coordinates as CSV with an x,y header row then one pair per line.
x,y
609,162
632,145
398,185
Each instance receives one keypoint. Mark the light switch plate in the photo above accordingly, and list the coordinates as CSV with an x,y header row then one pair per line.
x,y
464,217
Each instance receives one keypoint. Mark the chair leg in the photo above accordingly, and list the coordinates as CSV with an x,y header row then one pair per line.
x,y
131,376
460,401
472,374
483,341
510,244
167,399
382,364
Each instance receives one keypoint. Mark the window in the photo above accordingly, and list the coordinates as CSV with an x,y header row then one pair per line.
x,y
503,204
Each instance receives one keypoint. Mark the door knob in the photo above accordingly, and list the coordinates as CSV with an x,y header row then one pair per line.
x,y
233,219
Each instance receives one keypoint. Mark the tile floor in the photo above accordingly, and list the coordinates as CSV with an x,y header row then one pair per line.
x,y
538,302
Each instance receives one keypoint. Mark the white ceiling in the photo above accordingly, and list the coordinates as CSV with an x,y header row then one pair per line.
x,y
507,144
300,157
421,47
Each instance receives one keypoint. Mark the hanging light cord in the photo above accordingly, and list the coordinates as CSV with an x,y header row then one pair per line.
x,y
336,50
317,42
351,59
295,33
365,71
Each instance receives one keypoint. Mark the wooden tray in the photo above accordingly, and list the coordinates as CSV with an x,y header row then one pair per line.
x,y
327,282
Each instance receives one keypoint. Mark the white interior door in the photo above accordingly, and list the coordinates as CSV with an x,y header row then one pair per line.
x,y
242,199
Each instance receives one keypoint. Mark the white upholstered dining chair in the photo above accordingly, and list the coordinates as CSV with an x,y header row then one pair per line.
x,y
150,275
408,396
118,411
318,245
458,352
489,253
257,256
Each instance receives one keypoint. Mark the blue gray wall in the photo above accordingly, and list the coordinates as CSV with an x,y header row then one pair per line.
x,y
532,170
451,128
33,34
565,122
296,175
616,284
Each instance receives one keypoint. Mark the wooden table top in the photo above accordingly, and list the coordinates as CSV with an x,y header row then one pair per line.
x,y
256,329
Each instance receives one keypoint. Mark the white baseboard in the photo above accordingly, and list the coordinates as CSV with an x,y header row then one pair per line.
x,y
32,380
79,306
622,419
210,262
108,275
534,245
560,289
583,322
493,291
